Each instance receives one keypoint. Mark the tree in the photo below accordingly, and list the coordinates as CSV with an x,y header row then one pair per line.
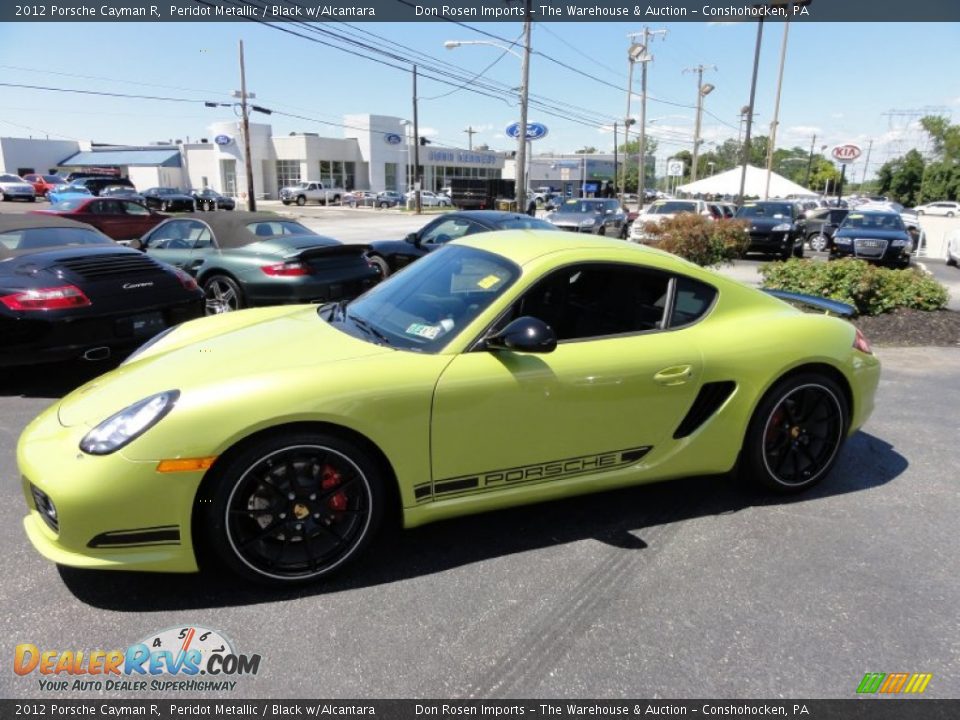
x,y
902,178
630,152
586,150
941,178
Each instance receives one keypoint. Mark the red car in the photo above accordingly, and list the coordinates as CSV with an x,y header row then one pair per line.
x,y
118,218
43,183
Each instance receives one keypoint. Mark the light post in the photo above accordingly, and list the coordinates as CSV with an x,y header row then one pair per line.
x,y
702,91
521,169
635,53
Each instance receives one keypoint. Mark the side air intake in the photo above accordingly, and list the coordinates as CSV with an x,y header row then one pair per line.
x,y
711,396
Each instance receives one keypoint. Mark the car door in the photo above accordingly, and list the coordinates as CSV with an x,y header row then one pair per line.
x,y
173,242
107,216
615,388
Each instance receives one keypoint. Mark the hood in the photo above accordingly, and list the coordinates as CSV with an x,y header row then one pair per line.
x,y
207,355
765,222
877,233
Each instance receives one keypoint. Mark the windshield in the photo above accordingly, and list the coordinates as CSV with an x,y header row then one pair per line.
x,y
80,189
432,300
67,205
581,206
54,179
873,221
10,178
272,228
770,210
671,208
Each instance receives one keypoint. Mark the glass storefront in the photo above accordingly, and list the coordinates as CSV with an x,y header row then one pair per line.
x,y
288,173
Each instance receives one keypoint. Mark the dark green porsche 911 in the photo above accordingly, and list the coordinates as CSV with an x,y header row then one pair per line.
x,y
244,259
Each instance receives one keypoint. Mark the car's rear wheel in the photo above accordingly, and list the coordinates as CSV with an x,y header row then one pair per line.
x,y
164,206
293,508
950,214
381,265
602,230
222,294
794,436
818,242
301,200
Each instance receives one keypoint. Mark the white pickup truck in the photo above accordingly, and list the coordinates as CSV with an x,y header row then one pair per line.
x,y
311,190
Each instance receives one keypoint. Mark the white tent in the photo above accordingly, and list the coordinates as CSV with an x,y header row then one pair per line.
x,y
728,183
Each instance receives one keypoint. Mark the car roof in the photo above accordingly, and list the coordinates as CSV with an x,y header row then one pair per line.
x,y
524,246
229,227
29,220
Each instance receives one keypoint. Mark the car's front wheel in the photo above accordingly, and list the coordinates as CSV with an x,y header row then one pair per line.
x,y
301,200
381,264
292,508
818,242
222,294
796,432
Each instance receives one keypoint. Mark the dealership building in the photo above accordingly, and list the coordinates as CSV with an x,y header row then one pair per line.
x,y
376,153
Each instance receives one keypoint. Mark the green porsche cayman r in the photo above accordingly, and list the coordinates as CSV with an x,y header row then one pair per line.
x,y
506,368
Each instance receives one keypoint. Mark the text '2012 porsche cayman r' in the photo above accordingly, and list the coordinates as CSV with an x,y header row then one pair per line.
x,y
506,368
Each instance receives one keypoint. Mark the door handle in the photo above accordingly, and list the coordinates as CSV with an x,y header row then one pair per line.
x,y
676,375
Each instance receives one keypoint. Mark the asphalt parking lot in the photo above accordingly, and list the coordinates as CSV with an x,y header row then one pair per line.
x,y
696,588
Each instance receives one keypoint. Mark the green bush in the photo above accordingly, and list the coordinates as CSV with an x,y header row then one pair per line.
x,y
698,239
871,289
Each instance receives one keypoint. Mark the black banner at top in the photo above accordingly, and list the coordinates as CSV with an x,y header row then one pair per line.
x,y
479,11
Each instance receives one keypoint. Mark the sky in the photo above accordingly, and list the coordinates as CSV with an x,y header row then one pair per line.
x,y
841,81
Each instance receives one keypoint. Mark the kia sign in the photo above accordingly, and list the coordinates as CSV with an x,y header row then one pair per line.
x,y
535,131
846,153
392,139
223,139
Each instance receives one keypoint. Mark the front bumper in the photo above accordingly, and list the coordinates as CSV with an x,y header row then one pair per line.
x,y
879,251
770,242
112,512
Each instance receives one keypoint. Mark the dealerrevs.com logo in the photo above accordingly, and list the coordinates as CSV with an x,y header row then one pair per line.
x,y
177,659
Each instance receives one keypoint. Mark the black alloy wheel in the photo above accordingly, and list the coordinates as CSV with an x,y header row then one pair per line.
x,y
796,432
295,507
381,264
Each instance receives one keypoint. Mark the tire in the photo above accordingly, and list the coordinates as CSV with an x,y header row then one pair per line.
x,y
381,264
163,207
819,242
293,508
602,230
920,212
951,261
34,199
222,294
336,200
285,202
796,433
786,253
950,214
798,251
383,205
301,200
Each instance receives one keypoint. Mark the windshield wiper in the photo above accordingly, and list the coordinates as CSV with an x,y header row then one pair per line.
x,y
368,328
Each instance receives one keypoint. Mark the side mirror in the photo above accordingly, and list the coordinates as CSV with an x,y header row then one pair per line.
x,y
412,239
525,334
135,244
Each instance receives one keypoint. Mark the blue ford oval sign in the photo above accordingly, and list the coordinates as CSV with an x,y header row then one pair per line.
x,y
535,131
392,139
223,139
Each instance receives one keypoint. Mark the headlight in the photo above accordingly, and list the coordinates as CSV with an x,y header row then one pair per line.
x,y
900,242
782,227
841,240
129,424
587,223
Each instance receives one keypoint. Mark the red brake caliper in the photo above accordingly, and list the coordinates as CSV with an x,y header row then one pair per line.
x,y
330,479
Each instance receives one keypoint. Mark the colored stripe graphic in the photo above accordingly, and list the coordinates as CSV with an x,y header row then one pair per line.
x,y
894,683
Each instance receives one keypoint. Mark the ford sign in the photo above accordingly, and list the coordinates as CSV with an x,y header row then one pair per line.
x,y
392,139
535,131
846,153
223,139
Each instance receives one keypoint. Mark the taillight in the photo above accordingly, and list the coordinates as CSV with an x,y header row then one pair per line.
x,y
56,298
289,269
861,343
186,279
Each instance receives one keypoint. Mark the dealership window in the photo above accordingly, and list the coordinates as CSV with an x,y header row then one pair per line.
x,y
349,175
325,171
390,176
228,171
288,173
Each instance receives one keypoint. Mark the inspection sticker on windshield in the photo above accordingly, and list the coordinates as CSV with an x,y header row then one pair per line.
x,y
425,331
488,282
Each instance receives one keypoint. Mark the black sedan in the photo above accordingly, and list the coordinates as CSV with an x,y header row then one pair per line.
x,y
67,291
209,199
391,255
166,198
776,227
877,236
243,259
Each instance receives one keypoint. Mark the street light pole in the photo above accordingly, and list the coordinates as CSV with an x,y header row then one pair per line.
x,y
753,96
626,122
418,208
776,109
702,92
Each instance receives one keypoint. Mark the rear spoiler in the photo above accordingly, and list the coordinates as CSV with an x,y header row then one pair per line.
x,y
310,253
818,303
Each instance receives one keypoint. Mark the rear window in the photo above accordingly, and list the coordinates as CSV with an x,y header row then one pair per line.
x,y
526,223
691,301
672,207
41,238
68,205
272,228
770,210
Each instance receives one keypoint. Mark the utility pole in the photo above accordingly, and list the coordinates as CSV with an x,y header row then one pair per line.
x,y
470,133
702,91
646,57
418,208
251,198
806,182
521,172
615,176
753,97
866,164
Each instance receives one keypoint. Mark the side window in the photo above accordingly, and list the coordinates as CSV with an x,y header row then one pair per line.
x,y
132,208
203,239
595,300
448,230
174,235
107,207
691,300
